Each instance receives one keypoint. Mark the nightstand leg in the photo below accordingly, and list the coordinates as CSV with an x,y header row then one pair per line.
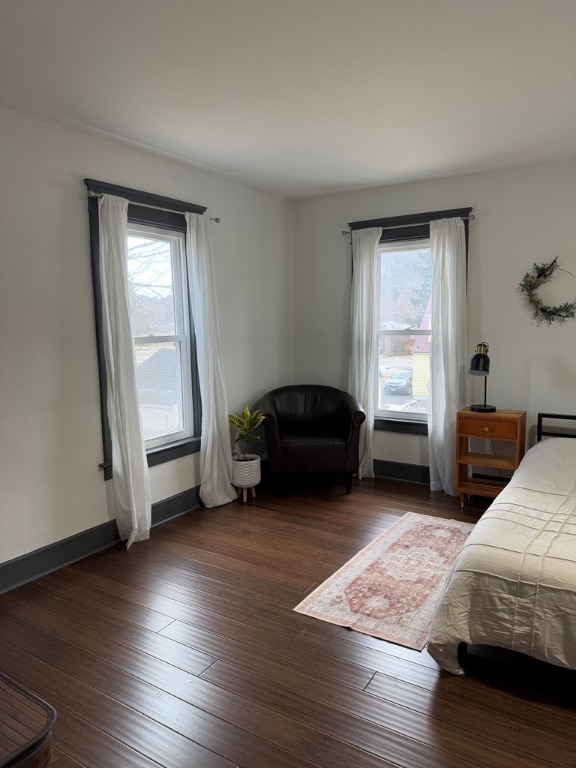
x,y
462,499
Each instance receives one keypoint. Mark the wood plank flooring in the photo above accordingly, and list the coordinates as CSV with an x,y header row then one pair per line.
x,y
185,651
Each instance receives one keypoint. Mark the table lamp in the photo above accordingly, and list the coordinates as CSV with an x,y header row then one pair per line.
x,y
480,366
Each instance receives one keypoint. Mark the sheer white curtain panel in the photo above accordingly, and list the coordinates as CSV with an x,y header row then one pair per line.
x,y
216,451
364,354
130,482
448,349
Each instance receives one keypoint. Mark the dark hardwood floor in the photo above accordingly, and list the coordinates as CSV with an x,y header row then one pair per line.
x,y
185,651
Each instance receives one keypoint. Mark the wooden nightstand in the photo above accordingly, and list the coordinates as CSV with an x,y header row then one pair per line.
x,y
501,428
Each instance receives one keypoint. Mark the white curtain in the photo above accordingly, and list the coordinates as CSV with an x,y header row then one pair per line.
x,y
215,451
364,354
130,481
448,349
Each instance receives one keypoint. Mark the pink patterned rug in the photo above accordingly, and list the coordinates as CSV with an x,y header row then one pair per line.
x,y
389,589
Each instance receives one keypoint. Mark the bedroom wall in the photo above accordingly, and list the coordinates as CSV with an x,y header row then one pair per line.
x,y
523,215
50,442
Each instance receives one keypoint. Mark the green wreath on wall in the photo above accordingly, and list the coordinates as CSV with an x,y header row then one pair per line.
x,y
529,287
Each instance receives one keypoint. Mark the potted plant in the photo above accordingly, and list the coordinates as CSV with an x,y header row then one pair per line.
x,y
246,466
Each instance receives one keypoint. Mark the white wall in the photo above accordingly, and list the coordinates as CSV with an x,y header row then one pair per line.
x,y
523,215
50,443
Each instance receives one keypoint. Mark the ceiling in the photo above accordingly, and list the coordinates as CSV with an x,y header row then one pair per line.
x,y
302,97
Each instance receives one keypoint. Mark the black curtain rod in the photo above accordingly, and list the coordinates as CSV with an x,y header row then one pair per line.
x,y
217,219
412,220
138,197
403,226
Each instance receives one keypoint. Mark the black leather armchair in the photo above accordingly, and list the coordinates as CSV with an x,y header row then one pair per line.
x,y
311,428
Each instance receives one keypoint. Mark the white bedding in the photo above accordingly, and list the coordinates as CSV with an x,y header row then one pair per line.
x,y
513,585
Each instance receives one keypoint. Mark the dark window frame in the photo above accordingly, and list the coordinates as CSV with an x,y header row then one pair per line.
x,y
414,226
164,213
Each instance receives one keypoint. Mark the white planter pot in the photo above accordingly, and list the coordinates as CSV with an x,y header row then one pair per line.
x,y
246,473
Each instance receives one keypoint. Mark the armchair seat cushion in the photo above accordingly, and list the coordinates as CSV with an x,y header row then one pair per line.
x,y
313,454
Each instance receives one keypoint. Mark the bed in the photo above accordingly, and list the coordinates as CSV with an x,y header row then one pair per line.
x,y
513,584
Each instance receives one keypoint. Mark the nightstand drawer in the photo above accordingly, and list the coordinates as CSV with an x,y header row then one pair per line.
x,y
499,430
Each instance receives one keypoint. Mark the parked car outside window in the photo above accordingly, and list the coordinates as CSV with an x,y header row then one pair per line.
x,y
400,383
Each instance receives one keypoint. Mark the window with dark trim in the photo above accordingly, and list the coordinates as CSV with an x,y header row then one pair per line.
x,y
167,374
397,379
403,330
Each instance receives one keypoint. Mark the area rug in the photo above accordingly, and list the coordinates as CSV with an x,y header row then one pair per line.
x,y
390,588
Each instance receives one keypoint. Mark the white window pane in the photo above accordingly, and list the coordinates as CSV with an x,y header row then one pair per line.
x,y
159,383
404,306
406,282
158,306
151,286
403,373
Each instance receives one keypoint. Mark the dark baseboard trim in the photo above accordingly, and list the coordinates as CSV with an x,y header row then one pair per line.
x,y
175,506
396,470
33,565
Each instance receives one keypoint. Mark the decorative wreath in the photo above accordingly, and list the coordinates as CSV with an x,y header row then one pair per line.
x,y
529,286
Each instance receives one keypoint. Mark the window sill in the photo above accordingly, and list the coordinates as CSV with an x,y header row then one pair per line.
x,y
173,451
401,426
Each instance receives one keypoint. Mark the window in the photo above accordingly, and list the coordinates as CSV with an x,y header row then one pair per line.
x,y
404,335
159,313
403,324
166,372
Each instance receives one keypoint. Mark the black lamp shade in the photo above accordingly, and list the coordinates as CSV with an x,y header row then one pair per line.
x,y
480,365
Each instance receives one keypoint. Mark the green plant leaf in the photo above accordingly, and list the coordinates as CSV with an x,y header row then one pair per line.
x,y
246,423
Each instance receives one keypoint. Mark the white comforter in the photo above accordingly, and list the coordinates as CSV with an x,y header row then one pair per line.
x,y
513,585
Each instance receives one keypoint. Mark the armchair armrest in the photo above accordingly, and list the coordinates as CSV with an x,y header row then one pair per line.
x,y
355,415
270,426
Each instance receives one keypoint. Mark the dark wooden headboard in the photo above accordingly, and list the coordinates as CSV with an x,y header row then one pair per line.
x,y
555,430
